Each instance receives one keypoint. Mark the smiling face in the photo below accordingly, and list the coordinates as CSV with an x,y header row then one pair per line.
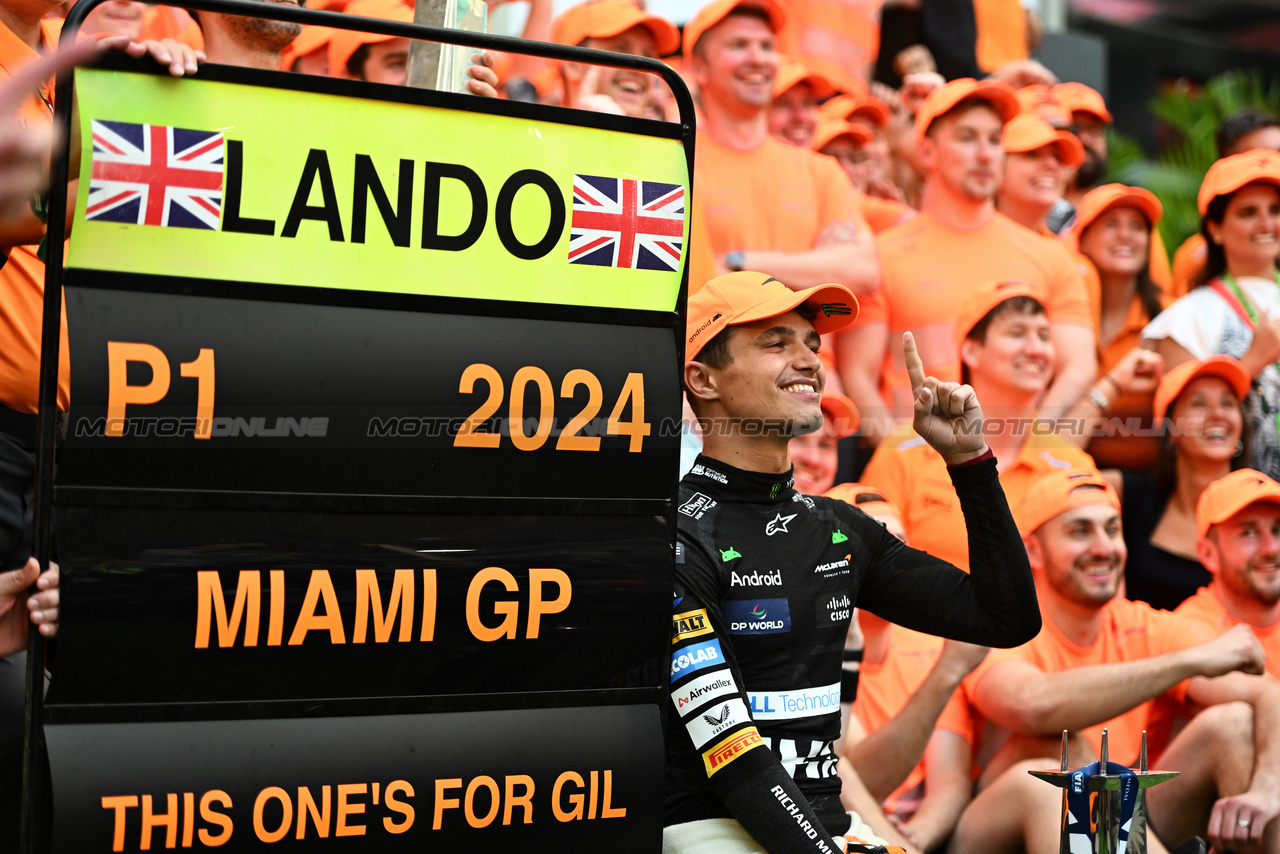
x,y
1250,229
1015,354
1243,553
633,91
1079,554
771,386
735,63
1117,242
1033,179
793,115
962,150
1207,421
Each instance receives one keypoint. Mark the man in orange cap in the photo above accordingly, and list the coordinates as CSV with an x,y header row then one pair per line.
x,y
619,26
1035,169
958,241
1005,344
793,114
1238,522
1090,119
1102,661
766,578
768,206
373,57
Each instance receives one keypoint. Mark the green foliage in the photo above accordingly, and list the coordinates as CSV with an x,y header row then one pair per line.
x,y
1177,170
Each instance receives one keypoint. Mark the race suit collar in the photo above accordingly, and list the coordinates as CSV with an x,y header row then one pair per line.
x,y
739,484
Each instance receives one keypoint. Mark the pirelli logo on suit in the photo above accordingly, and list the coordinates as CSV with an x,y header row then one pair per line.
x,y
728,750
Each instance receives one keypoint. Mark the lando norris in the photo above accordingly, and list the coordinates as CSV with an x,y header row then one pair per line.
x,y
766,577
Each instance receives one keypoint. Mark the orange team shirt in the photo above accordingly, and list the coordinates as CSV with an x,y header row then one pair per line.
x,y
883,214
702,259
1002,32
22,277
913,476
1206,607
776,197
883,691
1188,261
1131,631
837,38
927,269
1136,453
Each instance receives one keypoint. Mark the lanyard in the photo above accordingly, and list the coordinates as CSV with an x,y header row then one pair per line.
x,y
1229,289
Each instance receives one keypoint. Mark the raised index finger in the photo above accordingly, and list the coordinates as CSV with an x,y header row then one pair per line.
x,y
915,367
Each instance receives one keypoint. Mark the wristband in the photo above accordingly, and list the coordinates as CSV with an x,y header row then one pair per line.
x,y
988,454
1099,400
1114,384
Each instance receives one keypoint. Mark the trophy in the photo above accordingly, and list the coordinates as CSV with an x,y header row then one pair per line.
x,y
1104,805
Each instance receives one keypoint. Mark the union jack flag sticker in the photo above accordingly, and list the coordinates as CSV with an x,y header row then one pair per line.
x,y
624,222
155,175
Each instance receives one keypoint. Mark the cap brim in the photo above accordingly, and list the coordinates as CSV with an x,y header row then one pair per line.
x,y
835,305
1232,373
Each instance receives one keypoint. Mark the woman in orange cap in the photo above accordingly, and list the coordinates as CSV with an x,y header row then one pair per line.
x,y
1205,436
1113,231
1235,308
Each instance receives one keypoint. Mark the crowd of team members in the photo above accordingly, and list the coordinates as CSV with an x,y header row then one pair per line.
x,y
1114,384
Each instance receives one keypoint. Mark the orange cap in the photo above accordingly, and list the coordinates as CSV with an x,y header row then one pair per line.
x,y
1226,368
1060,491
861,107
746,297
311,38
1099,200
792,72
604,19
841,412
987,296
1030,97
866,498
1231,173
1027,132
1230,494
945,98
713,13
1079,98
829,130
343,43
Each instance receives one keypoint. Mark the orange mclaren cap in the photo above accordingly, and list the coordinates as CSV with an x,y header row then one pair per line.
x,y
945,98
841,412
1027,132
604,19
1079,98
1059,491
987,296
1226,368
1231,173
1099,200
1228,495
746,297
713,13
312,38
792,72
1030,97
866,498
829,130
344,43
